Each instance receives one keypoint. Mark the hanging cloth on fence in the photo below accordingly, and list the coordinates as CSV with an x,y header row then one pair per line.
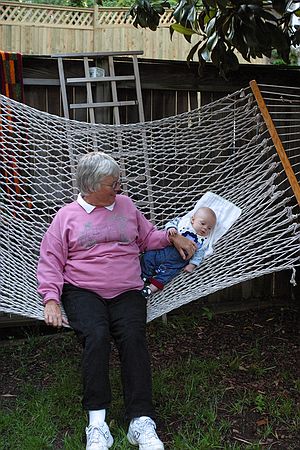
x,y
11,75
12,175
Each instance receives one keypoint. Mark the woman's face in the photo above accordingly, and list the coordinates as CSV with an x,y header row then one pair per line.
x,y
106,194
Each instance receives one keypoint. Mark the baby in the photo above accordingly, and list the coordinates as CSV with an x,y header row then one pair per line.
x,y
161,266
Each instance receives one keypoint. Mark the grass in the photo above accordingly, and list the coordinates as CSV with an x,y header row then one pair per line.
x,y
209,394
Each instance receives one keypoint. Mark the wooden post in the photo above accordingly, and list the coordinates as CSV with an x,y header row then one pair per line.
x,y
276,140
95,25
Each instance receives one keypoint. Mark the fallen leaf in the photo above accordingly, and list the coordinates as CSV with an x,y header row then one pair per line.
x,y
262,422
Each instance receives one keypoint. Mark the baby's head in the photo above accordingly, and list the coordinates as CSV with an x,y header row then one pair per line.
x,y
203,221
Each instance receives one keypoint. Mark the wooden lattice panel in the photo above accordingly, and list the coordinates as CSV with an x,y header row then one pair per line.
x,y
44,15
112,16
12,13
166,19
119,16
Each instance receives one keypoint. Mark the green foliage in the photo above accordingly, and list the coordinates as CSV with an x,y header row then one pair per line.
x,y
206,312
252,28
278,61
147,14
260,403
74,3
116,3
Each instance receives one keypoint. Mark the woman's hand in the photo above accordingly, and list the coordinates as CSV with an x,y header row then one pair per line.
x,y
53,315
185,247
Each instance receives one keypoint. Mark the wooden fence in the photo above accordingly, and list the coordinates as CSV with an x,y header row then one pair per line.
x,y
47,29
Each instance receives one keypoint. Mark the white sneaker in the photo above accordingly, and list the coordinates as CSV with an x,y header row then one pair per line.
x,y
98,437
142,432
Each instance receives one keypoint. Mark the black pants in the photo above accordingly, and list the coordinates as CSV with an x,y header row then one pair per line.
x,y
96,320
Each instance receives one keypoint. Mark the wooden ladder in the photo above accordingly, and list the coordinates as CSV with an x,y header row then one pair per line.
x,y
107,57
112,78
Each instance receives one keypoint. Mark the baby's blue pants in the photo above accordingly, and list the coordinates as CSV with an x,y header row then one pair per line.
x,y
162,265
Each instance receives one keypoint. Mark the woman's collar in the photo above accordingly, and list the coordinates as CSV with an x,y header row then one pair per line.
x,y
88,207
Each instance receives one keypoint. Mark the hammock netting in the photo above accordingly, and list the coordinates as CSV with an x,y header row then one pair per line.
x,y
167,165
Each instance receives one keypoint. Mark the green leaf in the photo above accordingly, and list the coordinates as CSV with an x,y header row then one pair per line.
x,y
296,38
159,9
238,41
279,6
187,16
244,13
261,13
222,4
227,25
179,10
199,46
192,52
192,15
232,60
142,20
212,41
209,3
182,30
218,54
211,25
201,20
249,36
291,6
284,50
201,64
205,54
204,18
279,40
263,33
188,38
171,32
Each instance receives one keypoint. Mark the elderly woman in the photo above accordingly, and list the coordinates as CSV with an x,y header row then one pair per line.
x,y
89,262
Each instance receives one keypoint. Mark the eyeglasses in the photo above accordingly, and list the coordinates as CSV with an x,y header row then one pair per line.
x,y
115,185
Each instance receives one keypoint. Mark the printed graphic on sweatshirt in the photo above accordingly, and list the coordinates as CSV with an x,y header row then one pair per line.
x,y
113,230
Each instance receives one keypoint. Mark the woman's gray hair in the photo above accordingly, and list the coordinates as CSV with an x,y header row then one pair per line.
x,y
91,170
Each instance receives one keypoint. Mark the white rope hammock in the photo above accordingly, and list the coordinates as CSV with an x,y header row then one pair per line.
x,y
167,165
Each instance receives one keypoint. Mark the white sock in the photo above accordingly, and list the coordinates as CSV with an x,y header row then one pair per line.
x,y
97,417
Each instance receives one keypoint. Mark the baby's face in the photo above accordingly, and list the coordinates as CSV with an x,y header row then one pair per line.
x,y
203,223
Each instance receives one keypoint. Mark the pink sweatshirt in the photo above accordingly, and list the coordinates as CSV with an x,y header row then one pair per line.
x,y
98,250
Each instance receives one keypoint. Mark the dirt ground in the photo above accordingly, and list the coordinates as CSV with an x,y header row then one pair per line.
x,y
274,333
